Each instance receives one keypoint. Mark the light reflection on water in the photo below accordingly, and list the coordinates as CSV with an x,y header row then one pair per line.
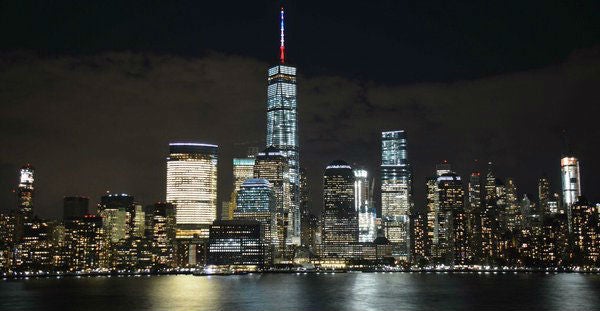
x,y
363,291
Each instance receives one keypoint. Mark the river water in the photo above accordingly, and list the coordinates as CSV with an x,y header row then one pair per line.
x,y
340,291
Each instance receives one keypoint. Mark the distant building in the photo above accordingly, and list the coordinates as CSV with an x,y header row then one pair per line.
x,y
512,214
116,211
452,243
474,210
235,244
584,224
86,248
396,191
164,233
363,204
272,165
25,192
307,222
340,218
243,168
256,201
544,194
192,186
571,183
420,239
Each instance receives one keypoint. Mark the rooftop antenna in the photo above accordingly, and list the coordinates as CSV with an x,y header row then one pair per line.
x,y
282,39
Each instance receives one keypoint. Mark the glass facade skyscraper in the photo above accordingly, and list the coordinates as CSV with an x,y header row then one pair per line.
x,y
192,186
571,183
340,218
282,125
363,205
396,191
256,201
272,165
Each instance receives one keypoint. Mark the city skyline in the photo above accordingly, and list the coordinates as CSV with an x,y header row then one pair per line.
x,y
301,155
328,130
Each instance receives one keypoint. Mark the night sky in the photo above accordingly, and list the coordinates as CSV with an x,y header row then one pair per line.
x,y
92,92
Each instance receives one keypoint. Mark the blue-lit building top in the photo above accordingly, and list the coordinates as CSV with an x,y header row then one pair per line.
x,y
255,195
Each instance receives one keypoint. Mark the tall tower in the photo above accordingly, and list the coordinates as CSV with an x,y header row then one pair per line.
x,y
452,222
282,123
192,187
340,218
396,191
24,225
272,165
364,206
571,183
544,194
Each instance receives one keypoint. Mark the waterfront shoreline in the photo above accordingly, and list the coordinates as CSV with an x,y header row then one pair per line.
x,y
317,272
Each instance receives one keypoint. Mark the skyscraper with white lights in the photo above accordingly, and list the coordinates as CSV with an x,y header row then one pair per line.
x,y
396,191
282,124
571,183
192,186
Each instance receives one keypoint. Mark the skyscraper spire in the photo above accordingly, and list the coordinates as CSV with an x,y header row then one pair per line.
x,y
282,39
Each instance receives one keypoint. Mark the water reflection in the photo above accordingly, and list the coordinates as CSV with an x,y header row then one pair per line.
x,y
361,291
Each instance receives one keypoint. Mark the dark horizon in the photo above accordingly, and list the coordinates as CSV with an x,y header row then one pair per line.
x,y
93,93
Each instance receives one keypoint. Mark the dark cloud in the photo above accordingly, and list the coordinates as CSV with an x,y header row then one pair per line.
x,y
91,123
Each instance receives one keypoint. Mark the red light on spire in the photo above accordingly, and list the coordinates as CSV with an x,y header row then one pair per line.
x,y
282,39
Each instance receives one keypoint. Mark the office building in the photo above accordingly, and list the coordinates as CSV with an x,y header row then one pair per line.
x,y
235,245
571,183
272,165
256,201
396,191
192,186
164,233
340,218
363,204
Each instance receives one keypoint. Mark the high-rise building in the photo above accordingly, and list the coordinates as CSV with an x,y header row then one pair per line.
x,y
84,242
452,244
306,228
256,201
584,226
192,187
116,210
243,168
24,221
164,233
363,204
436,219
474,209
544,194
75,207
340,219
489,215
513,217
396,191
571,184
7,240
421,248
282,125
272,165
